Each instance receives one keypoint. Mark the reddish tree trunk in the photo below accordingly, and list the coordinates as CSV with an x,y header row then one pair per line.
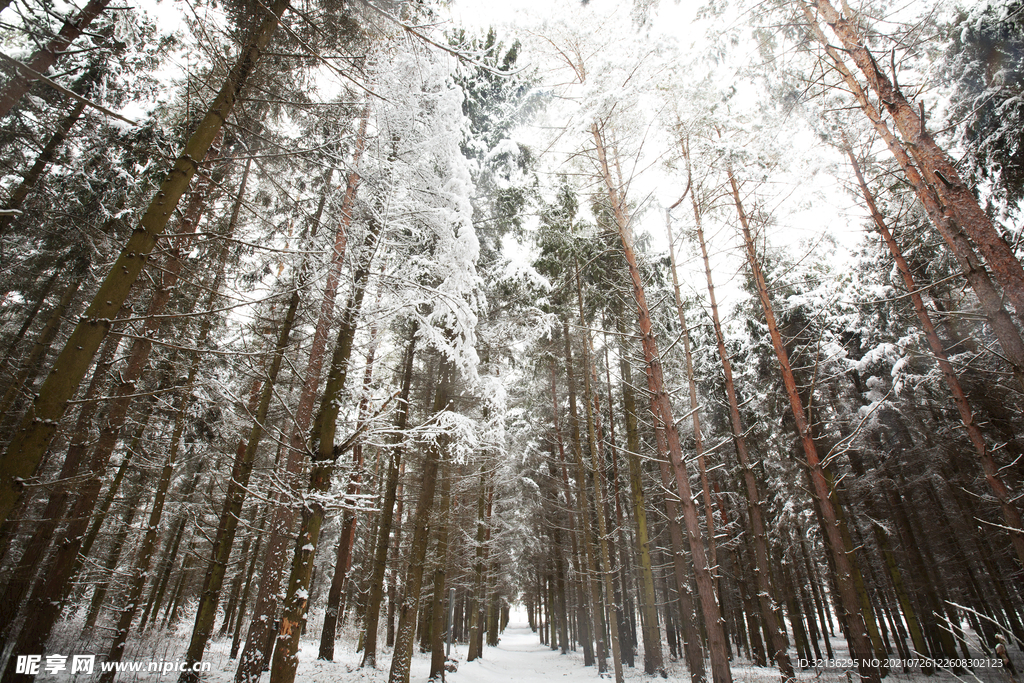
x,y
861,649
46,56
936,166
974,271
662,409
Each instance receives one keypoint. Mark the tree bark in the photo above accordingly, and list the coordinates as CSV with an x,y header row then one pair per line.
x,y
28,182
974,271
582,613
243,600
437,631
347,538
140,570
778,643
234,499
117,413
478,570
46,56
325,452
253,657
653,663
936,166
99,594
583,512
245,455
32,362
594,442
159,589
49,594
698,438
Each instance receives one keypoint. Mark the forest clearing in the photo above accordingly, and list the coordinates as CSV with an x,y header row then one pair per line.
x,y
626,340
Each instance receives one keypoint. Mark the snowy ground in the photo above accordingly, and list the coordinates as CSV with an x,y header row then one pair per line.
x,y
518,658
521,658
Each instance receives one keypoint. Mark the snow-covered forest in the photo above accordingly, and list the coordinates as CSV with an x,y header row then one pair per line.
x,y
366,340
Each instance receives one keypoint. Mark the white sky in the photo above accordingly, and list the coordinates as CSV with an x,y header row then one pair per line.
x,y
807,205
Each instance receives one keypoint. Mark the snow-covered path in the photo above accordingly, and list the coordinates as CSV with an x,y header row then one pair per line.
x,y
520,657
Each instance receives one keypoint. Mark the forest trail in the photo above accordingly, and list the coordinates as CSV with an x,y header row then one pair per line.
x,y
521,657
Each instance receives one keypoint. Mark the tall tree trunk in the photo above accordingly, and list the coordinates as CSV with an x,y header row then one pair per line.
x,y
19,582
435,450
652,636
32,362
819,600
936,166
973,269
561,590
28,182
698,438
140,570
754,615
778,643
662,410
114,489
253,657
692,639
802,585
437,632
347,538
594,442
583,512
113,556
159,589
582,612
39,425
73,461
803,645
387,512
231,606
486,580
861,650
478,570
625,611
181,589
65,564
325,452
243,600
41,295
48,595
234,499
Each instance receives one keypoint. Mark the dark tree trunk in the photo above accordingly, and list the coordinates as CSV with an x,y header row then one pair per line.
x,y
435,450
387,512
